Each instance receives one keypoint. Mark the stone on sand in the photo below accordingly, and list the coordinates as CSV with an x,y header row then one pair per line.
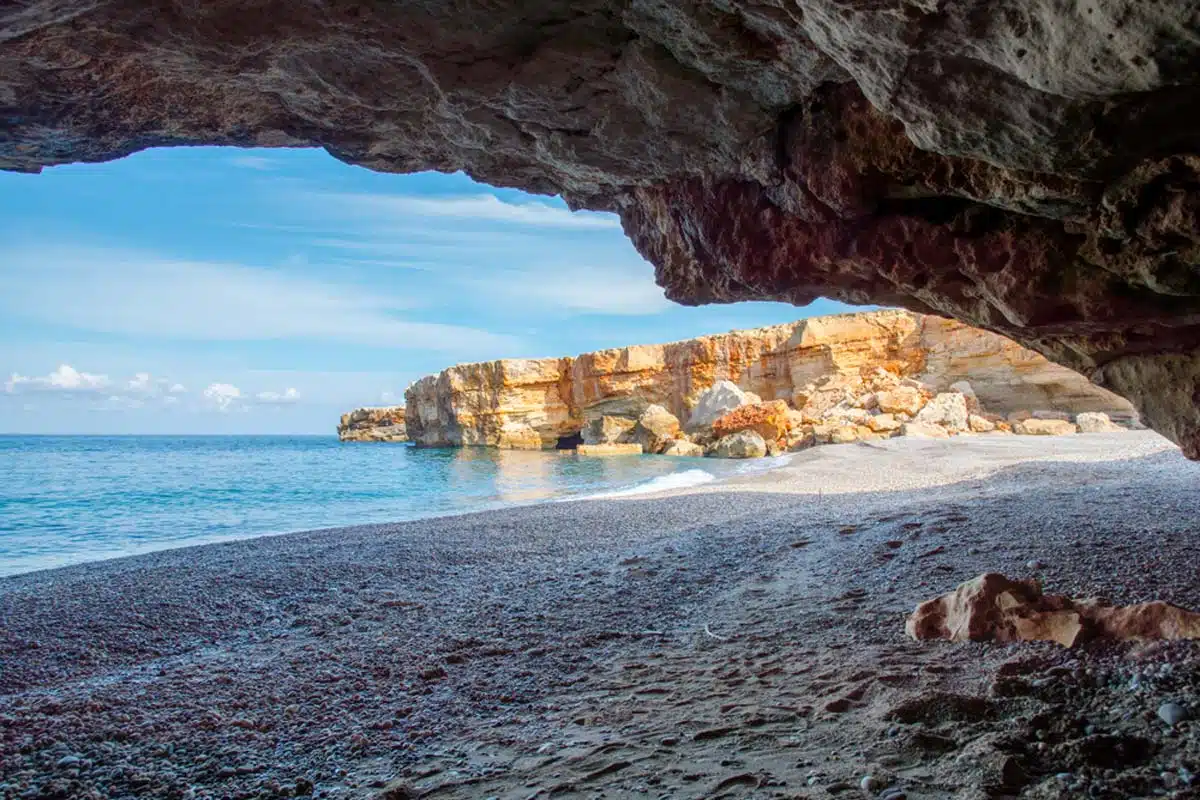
x,y
948,409
1044,427
1096,422
920,431
995,608
743,444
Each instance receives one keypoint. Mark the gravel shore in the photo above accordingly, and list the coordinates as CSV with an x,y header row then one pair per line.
x,y
737,639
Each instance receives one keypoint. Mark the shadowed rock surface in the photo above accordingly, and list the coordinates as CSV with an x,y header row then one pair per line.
x,y
1030,168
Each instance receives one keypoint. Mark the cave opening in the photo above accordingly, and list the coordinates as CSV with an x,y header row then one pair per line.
x,y
570,441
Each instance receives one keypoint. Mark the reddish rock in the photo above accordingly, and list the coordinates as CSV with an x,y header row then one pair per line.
x,y
771,421
995,608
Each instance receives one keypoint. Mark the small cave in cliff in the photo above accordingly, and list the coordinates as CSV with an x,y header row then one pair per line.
x,y
569,442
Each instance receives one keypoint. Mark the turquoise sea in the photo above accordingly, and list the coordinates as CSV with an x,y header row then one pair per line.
x,y
69,499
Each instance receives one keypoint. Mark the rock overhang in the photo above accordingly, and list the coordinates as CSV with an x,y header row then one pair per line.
x,y
1027,168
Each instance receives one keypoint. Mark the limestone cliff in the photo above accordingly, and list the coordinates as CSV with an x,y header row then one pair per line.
x,y
541,403
380,424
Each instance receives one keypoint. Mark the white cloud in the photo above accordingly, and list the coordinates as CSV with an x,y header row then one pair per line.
x,y
64,379
287,397
224,396
141,383
483,207
134,293
177,388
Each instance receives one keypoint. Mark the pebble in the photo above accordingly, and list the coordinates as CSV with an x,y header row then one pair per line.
x,y
66,762
1172,713
1034,564
870,783
893,793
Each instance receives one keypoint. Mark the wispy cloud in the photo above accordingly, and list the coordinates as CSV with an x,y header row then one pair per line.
x,y
285,398
135,293
482,207
64,379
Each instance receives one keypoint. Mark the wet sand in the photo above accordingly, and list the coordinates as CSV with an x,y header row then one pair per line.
x,y
737,639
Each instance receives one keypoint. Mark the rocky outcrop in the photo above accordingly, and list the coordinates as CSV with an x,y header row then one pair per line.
x,y
383,424
849,369
969,159
993,608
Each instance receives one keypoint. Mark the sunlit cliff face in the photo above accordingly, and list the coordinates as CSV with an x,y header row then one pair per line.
x,y
1027,168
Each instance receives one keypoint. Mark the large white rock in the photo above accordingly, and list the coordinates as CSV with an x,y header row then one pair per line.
x,y
655,428
714,402
1096,422
948,410
968,392
743,444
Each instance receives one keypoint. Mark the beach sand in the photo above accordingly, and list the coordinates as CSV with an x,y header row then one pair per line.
x,y
736,639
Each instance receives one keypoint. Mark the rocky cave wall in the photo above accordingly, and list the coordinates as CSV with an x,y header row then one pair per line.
x,y
1027,166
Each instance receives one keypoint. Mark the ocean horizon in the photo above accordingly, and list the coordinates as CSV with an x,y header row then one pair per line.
x,y
70,499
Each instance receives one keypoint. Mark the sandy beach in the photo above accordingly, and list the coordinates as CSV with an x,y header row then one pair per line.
x,y
742,638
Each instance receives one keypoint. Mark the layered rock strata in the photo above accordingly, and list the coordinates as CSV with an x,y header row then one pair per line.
x,y
380,424
1030,168
818,369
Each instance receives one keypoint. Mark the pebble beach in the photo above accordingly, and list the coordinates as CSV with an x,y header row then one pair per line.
x,y
740,638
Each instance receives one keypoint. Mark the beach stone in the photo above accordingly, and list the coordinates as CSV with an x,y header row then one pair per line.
x,y
1172,713
714,402
901,400
920,431
67,762
1096,422
743,444
870,783
992,607
979,424
655,429
1044,427
844,434
884,423
948,409
683,448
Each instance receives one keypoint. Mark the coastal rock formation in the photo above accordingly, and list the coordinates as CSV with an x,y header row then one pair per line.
x,y
994,608
1027,168
850,368
383,424
768,420
1095,422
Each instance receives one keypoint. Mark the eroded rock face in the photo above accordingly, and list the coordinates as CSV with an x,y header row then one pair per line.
x,y
992,607
814,364
383,424
1028,168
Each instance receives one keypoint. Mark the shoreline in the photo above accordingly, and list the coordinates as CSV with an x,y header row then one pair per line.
x,y
721,641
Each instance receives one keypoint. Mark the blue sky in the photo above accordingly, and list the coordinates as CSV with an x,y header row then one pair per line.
x,y
215,290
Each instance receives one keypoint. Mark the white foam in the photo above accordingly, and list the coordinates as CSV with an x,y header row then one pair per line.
x,y
663,483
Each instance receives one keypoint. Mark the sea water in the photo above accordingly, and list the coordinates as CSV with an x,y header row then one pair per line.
x,y
70,499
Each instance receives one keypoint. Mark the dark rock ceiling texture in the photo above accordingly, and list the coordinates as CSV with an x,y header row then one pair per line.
x,y
1029,166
